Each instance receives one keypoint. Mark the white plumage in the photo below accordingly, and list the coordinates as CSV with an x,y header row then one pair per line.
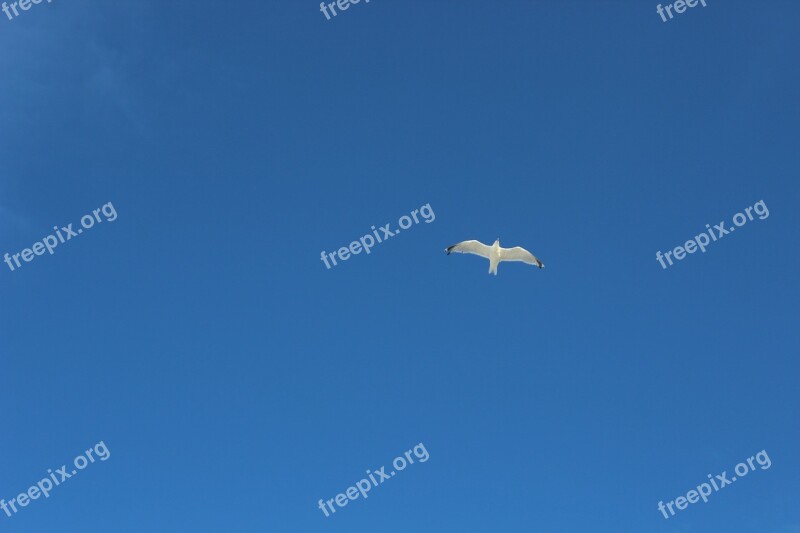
x,y
495,254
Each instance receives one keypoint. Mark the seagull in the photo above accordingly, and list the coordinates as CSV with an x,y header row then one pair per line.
x,y
494,253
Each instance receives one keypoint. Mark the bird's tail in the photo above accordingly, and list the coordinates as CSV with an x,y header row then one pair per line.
x,y
493,267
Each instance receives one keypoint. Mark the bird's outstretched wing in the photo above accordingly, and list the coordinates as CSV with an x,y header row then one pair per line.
x,y
520,254
470,247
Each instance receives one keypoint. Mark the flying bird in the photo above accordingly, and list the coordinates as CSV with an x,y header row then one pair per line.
x,y
494,253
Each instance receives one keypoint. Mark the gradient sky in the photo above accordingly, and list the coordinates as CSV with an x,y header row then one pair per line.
x,y
236,381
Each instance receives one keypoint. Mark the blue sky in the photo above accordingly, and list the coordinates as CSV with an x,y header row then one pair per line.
x,y
236,381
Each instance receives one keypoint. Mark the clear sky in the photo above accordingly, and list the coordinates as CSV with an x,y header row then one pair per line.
x,y
236,381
